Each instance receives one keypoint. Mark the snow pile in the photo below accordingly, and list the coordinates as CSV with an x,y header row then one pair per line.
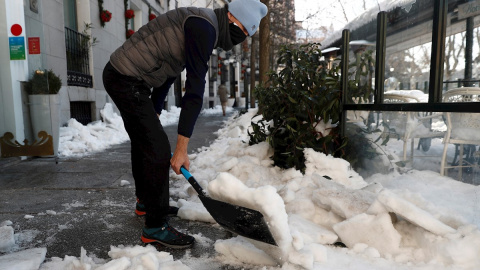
x,y
78,140
122,258
368,16
215,110
416,220
330,203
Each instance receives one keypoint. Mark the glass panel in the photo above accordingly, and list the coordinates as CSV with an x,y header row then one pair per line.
x,y
462,134
362,64
462,46
408,52
405,141
70,14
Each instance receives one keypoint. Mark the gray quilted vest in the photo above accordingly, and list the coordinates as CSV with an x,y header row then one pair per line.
x,y
157,50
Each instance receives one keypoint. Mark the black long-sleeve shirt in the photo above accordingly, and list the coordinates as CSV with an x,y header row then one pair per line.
x,y
199,43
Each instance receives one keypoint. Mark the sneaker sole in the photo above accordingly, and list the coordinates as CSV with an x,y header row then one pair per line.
x,y
143,213
149,241
140,213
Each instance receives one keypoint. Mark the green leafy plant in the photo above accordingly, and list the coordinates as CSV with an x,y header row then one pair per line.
x,y
360,89
88,40
38,85
297,104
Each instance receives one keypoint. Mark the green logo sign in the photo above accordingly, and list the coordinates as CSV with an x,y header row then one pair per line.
x,y
17,48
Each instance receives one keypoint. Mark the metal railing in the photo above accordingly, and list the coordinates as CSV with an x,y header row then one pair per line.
x,y
78,60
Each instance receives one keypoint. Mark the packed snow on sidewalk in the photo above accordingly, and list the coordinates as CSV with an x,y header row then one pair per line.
x,y
415,220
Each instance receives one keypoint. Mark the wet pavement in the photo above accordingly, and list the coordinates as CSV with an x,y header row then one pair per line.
x,y
80,202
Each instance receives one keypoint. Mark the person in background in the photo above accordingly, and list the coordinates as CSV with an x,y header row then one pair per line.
x,y
152,58
223,94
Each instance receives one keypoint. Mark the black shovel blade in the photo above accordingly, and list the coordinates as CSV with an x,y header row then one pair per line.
x,y
237,219
240,220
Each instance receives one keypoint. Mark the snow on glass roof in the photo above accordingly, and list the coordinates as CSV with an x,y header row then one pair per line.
x,y
367,17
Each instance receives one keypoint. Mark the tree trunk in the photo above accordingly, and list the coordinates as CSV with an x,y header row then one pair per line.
x,y
264,45
253,57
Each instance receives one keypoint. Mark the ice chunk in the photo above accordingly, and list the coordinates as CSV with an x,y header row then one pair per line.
x,y
23,260
375,231
413,213
7,239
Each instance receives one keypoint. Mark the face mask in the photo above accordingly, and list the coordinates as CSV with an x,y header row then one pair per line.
x,y
236,34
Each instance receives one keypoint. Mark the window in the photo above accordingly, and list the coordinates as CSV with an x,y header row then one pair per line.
x,y
70,14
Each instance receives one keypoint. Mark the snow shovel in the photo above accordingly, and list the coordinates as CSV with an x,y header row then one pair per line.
x,y
237,219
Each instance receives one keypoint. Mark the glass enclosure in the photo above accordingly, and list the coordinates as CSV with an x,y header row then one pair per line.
x,y
444,141
408,50
462,47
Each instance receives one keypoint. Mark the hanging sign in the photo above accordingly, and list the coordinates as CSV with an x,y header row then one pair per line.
x,y
17,48
468,9
34,45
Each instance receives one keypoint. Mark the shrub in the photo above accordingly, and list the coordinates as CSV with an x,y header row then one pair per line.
x,y
38,85
296,103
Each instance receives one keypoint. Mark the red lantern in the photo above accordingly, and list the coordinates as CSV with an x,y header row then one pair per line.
x,y
129,13
151,16
130,32
105,16
219,73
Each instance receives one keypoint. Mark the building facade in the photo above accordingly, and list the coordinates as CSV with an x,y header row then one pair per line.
x,y
71,39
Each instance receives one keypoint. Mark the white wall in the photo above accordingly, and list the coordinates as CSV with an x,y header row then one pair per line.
x,y
48,25
12,72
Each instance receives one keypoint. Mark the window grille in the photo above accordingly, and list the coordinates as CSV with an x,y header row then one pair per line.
x,y
81,111
78,61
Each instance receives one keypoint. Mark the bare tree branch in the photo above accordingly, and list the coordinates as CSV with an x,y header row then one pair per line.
x,y
343,10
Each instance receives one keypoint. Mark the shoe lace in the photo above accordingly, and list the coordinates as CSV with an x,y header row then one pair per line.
x,y
174,231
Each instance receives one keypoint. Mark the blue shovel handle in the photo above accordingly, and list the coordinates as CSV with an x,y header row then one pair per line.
x,y
192,181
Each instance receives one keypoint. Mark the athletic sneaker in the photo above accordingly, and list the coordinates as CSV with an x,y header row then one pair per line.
x,y
167,236
140,210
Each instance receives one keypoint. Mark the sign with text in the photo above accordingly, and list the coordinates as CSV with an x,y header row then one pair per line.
x,y
469,9
34,45
17,48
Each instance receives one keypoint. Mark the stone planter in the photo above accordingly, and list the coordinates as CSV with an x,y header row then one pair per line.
x,y
230,102
45,115
241,102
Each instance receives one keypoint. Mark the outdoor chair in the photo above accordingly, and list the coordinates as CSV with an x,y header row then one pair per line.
x,y
462,130
358,116
408,126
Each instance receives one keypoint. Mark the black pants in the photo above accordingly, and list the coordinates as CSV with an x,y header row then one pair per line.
x,y
150,148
